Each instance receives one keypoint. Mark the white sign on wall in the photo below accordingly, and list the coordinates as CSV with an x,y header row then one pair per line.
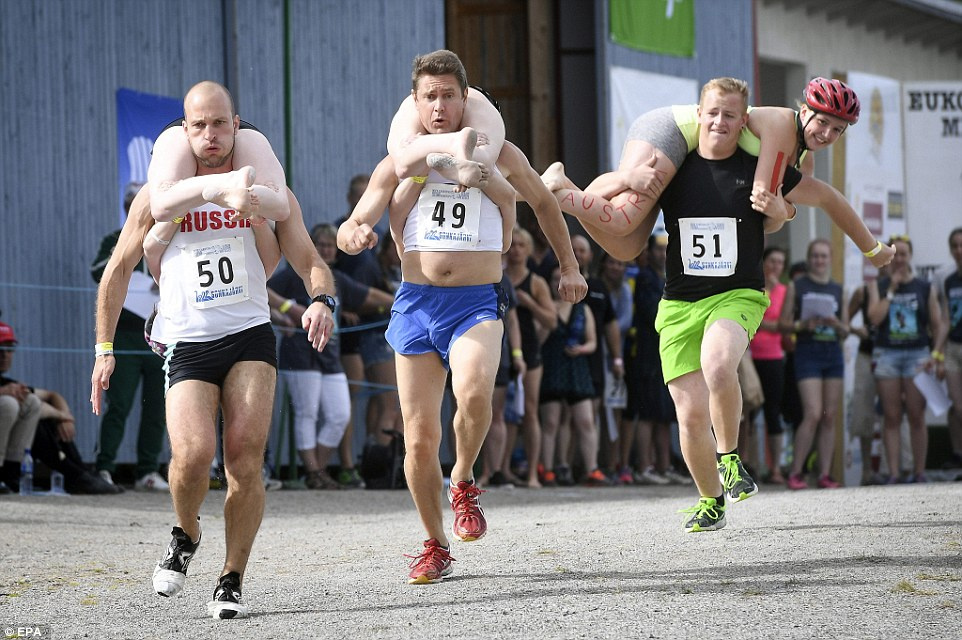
x,y
874,185
933,167
874,177
636,92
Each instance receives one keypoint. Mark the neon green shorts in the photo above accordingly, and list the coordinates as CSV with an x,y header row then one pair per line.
x,y
681,325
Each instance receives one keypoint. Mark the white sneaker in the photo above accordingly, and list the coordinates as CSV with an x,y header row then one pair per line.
x,y
650,477
153,481
675,477
171,572
228,602
106,477
270,484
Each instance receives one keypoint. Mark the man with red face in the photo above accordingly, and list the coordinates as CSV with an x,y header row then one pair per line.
x,y
220,350
446,315
447,312
618,209
714,294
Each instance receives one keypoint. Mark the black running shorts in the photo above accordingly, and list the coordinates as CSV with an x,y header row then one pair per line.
x,y
212,361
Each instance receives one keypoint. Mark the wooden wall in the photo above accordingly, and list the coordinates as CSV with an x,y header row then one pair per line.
x,y
61,62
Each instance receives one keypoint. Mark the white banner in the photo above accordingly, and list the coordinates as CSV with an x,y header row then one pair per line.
x,y
636,92
874,185
874,167
933,168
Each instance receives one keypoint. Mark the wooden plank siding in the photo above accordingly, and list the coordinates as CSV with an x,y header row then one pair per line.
x,y
61,62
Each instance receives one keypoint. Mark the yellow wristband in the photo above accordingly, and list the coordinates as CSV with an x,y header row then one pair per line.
x,y
517,353
938,356
104,349
178,220
419,179
286,306
874,252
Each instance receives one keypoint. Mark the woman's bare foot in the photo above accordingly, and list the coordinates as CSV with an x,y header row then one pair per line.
x,y
554,178
466,173
467,140
232,191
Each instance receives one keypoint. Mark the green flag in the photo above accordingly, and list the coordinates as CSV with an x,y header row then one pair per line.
x,y
659,26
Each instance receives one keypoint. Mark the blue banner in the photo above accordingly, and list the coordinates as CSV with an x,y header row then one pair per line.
x,y
140,118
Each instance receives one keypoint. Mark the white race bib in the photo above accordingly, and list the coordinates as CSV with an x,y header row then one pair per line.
x,y
217,272
709,246
448,220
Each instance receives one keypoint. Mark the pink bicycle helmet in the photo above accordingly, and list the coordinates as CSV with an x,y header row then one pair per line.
x,y
833,97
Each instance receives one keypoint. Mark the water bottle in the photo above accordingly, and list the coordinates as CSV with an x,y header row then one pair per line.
x,y
26,474
56,484
576,329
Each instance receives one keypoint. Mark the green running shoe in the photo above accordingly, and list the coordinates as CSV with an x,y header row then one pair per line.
x,y
736,481
707,515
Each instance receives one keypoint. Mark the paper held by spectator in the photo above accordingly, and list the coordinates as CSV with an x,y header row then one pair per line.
x,y
936,395
141,295
817,307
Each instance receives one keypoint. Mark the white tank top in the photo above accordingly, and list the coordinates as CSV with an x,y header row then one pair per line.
x,y
212,280
443,220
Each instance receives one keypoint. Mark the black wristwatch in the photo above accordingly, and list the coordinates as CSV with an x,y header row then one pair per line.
x,y
326,299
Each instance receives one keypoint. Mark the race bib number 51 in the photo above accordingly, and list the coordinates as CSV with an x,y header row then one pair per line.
x,y
218,272
709,246
448,220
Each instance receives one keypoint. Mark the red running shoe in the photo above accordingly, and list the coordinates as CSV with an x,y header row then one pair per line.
x,y
796,482
597,478
469,522
546,477
826,482
431,565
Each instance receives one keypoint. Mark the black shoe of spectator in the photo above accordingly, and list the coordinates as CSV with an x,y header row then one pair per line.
x,y
4,489
563,476
89,484
10,475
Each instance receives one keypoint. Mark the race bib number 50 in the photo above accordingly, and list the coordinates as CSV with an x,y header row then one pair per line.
x,y
448,220
709,246
218,272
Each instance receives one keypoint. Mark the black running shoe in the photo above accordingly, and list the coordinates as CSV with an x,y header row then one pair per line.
x,y
735,479
227,602
171,571
563,476
707,515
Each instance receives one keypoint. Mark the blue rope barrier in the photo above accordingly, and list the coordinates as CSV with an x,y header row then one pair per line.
x,y
29,348
47,287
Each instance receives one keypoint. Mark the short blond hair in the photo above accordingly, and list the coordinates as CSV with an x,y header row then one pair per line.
x,y
725,85
524,234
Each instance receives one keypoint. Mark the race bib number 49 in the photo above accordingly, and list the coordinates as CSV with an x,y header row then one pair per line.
x,y
218,272
448,220
709,246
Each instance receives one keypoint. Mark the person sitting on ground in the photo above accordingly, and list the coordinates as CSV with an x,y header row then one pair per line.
x,y
39,420
19,413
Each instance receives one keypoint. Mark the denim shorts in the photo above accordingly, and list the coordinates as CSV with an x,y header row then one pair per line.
x,y
953,356
819,360
374,348
888,362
